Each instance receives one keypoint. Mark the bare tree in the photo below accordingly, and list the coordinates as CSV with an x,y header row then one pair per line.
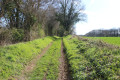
x,y
69,13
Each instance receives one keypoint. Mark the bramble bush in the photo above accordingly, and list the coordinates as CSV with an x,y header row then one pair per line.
x,y
17,35
91,62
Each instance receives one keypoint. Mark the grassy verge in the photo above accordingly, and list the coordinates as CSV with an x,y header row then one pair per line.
x,y
48,66
91,62
13,58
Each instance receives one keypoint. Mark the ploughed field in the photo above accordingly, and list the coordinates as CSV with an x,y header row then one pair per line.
x,y
67,58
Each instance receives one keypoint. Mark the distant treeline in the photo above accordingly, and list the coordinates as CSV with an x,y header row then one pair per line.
x,y
25,20
104,33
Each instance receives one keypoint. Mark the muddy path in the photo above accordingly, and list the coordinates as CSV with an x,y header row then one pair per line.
x,y
63,68
30,66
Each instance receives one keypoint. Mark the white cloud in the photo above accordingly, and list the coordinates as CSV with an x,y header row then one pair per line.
x,y
92,2
100,16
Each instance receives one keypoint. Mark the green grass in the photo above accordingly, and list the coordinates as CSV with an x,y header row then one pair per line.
x,y
91,62
87,61
13,58
110,40
48,64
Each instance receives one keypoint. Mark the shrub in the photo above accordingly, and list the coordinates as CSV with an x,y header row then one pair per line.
x,y
5,36
17,35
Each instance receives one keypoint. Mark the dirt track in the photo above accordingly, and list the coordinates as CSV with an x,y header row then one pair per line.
x,y
30,66
63,68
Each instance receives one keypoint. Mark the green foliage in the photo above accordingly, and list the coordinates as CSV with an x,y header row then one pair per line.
x,y
14,57
11,36
49,64
17,35
69,14
41,32
91,62
61,31
5,36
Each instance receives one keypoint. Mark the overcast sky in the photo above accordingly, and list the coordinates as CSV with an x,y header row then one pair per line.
x,y
101,14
